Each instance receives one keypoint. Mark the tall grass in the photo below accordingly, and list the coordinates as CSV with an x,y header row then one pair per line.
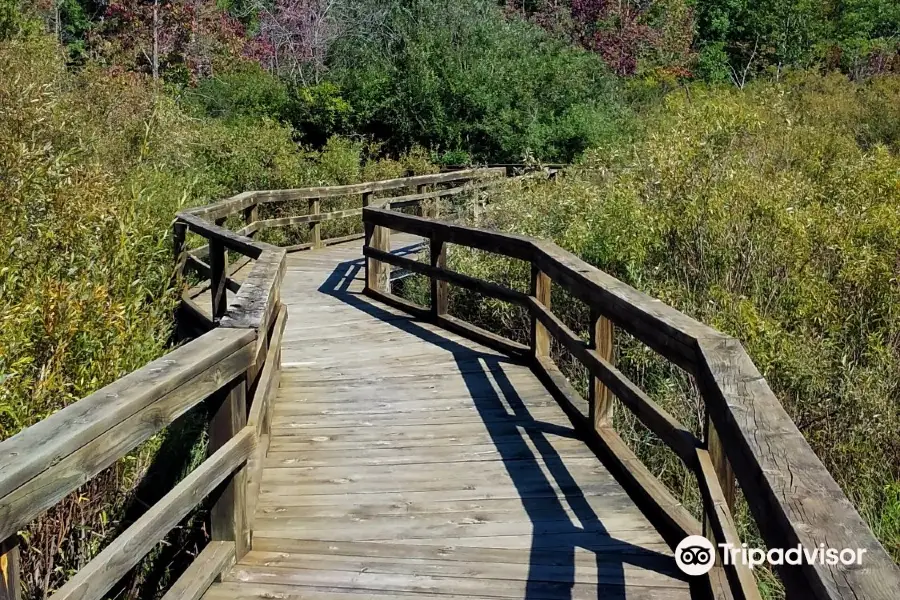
x,y
772,214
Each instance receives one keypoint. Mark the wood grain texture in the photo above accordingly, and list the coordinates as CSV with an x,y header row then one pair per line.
x,y
217,276
39,454
438,288
100,574
377,272
600,398
540,292
269,379
79,465
405,458
256,302
792,497
229,239
206,568
719,527
443,275
228,515
226,207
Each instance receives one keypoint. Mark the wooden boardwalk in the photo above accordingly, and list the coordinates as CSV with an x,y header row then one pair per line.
x,y
357,451
406,461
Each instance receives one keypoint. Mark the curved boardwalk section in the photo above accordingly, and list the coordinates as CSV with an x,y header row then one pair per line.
x,y
406,461
362,446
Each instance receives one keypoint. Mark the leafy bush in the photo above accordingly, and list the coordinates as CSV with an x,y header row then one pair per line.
x,y
245,91
459,76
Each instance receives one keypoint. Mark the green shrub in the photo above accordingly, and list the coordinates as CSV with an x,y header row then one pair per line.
x,y
461,76
247,90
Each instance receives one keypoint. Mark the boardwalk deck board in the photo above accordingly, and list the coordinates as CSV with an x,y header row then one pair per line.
x,y
407,461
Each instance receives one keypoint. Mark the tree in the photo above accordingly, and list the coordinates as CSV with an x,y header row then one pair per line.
x,y
183,39
298,34
627,34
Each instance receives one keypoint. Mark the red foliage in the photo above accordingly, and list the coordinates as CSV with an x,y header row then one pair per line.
x,y
622,32
195,34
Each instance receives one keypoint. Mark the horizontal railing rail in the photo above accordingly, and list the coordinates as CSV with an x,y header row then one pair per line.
x,y
748,440
43,464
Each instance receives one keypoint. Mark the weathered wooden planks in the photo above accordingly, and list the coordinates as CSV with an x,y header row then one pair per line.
x,y
792,497
99,575
203,571
392,430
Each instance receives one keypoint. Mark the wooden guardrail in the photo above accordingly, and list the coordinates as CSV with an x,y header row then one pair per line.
x,y
232,361
749,439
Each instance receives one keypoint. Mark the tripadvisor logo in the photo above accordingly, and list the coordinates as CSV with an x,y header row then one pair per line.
x,y
696,555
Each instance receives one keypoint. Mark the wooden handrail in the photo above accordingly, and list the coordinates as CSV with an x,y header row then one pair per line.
x,y
101,574
43,463
750,437
332,191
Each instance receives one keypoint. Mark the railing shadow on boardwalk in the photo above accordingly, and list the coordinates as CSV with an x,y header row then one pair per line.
x,y
556,538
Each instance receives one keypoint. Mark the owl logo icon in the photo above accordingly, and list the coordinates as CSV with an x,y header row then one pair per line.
x,y
695,555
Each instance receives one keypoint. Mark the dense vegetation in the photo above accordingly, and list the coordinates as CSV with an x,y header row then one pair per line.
x,y
714,173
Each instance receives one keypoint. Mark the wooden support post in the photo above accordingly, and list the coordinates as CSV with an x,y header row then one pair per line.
x,y
251,214
540,337
724,473
179,235
378,273
218,263
601,399
439,289
315,228
366,199
10,587
420,208
228,517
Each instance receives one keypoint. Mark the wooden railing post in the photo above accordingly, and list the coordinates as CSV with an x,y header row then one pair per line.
x,y
439,288
316,227
600,398
251,214
228,517
540,337
724,473
366,198
420,208
378,273
179,235
10,587
218,263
